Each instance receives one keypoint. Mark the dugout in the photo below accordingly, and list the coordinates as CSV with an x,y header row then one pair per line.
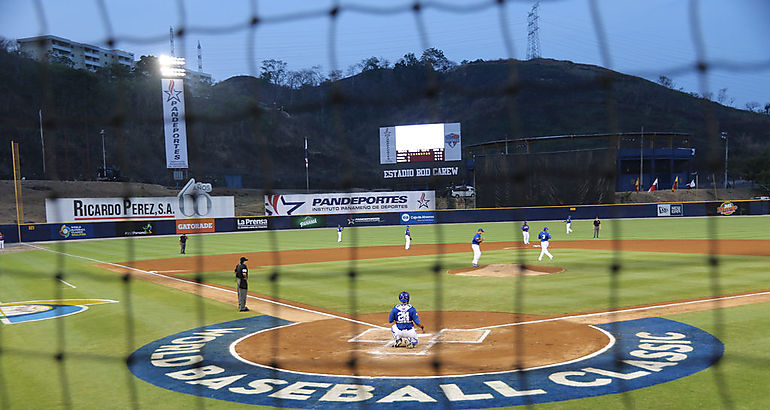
x,y
576,169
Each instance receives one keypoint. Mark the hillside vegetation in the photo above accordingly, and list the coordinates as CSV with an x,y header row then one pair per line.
x,y
255,128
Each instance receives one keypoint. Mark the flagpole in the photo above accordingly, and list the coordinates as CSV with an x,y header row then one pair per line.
x,y
307,174
42,142
641,158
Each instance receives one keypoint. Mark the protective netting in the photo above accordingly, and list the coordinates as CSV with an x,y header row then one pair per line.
x,y
574,177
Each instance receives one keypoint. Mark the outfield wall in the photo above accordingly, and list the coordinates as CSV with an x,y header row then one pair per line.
x,y
74,231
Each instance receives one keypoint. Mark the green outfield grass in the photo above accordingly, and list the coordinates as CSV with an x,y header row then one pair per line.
x,y
96,343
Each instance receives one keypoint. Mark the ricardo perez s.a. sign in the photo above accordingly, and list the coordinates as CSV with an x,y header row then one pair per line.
x,y
193,201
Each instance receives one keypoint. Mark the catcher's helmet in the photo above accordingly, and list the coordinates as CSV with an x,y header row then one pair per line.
x,y
403,297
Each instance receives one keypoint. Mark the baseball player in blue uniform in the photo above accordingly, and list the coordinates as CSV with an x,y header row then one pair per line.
x,y
569,223
475,245
339,233
525,233
544,238
407,238
404,318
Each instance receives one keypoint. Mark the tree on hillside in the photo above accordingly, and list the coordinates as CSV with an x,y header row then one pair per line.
x,y
147,67
666,82
757,168
374,63
274,71
334,75
722,97
436,59
407,61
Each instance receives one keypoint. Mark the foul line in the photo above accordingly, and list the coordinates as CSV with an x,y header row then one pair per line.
x,y
612,312
208,286
67,283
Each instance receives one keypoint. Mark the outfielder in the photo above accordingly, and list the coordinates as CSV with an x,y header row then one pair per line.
x,y
407,238
569,223
525,233
405,317
475,245
339,233
544,238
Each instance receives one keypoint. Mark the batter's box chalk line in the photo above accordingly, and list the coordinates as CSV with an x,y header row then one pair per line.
x,y
384,339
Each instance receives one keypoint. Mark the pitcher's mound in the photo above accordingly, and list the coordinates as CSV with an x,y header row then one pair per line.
x,y
505,270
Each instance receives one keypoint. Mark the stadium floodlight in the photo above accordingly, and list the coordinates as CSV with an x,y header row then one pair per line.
x,y
172,67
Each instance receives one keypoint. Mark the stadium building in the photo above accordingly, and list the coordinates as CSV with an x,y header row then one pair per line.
x,y
577,169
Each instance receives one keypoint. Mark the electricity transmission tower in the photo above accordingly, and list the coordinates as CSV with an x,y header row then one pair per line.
x,y
533,39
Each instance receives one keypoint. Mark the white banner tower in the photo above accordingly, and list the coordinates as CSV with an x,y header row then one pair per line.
x,y
172,87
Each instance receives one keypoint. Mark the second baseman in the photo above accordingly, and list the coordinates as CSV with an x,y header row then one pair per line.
x,y
339,233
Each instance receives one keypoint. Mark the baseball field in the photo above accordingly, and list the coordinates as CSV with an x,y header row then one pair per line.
x,y
318,332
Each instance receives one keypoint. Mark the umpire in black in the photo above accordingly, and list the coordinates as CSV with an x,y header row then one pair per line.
x,y
242,281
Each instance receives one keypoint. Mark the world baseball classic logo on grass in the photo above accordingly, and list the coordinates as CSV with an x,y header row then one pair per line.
x,y
34,310
209,361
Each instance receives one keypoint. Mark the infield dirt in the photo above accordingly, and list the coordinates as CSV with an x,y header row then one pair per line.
x,y
323,341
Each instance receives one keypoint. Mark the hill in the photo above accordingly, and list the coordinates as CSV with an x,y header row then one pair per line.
x,y
248,127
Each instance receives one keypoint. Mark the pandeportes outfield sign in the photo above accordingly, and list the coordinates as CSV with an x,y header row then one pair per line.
x,y
350,203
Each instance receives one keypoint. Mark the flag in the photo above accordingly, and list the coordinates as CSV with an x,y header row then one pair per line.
x,y
636,185
654,186
691,184
676,184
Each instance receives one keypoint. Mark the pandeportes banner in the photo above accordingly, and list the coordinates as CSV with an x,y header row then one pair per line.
x,y
350,203
174,123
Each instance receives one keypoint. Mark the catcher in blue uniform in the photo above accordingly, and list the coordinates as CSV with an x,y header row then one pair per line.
x,y
404,318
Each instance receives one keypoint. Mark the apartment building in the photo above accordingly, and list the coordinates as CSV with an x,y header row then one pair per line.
x,y
84,56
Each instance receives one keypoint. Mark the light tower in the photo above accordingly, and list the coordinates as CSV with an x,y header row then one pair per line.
x,y
533,39
171,39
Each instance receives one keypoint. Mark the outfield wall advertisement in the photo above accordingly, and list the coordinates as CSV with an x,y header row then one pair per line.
x,y
350,203
67,210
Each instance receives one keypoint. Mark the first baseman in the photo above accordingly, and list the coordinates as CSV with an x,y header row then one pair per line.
x,y
475,245
544,238
407,238
569,223
339,233
525,233
404,318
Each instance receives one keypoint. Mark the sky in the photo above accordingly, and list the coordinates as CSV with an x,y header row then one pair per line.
x,y
646,38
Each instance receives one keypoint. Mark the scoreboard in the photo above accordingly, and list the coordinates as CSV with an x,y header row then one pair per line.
x,y
420,143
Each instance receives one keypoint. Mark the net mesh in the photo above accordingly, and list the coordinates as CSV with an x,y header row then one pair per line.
x,y
515,177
